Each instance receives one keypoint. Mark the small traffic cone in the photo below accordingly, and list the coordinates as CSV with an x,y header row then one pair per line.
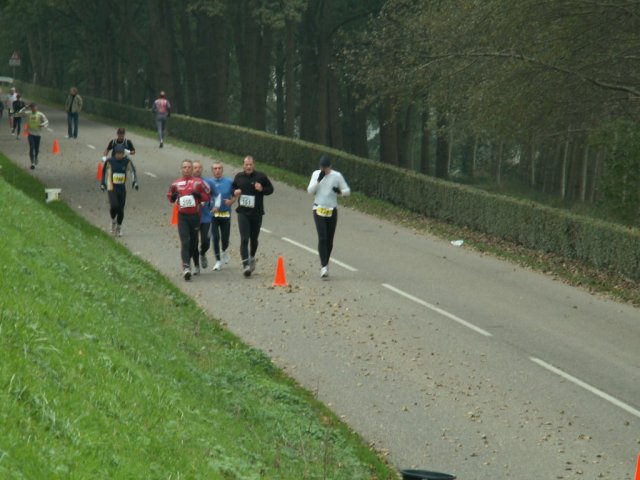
x,y
174,217
638,469
99,172
280,279
25,132
56,147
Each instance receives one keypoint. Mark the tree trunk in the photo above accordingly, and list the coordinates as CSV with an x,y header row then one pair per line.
x,y
191,100
425,143
336,134
315,57
584,171
498,171
388,133
161,46
279,90
442,147
404,138
563,170
289,83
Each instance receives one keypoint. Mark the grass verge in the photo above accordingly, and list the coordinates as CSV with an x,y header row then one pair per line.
x,y
108,371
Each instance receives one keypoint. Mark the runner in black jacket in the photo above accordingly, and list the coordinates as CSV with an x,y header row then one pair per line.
x,y
249,188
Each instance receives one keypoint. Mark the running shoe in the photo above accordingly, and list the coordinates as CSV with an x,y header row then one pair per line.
x,y
247,271
196,270
203,261
252,264
118,230
324,272
217,266
114,228
186,274
225,256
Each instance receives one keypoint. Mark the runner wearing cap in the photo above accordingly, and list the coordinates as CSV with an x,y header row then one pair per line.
x,y
326,184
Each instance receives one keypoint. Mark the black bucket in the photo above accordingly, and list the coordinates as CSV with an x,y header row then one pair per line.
x,y
425,475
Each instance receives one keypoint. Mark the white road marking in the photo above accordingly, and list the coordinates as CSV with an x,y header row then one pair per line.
x,y
49,129
91,146
586,386
265,230
152,175
304,247
437,310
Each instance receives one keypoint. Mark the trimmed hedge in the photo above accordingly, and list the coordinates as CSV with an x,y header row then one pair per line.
x,y
599,244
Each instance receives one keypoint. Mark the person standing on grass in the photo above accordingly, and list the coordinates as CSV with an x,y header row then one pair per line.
x,y
205,217
188,193
18,106
114,178
73,107
327,185
162,109
221,211
249,189
35,122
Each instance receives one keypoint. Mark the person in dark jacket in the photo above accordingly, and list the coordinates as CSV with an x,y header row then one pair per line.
x,y
249,188
114,177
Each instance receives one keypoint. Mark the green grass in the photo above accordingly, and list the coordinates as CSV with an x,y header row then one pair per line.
x,y
108,371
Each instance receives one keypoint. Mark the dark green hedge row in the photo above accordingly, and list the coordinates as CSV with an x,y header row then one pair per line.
x,y
600,244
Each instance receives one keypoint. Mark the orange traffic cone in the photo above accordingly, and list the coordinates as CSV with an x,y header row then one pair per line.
x,y
56,147
174,217
99,172
280,280
25,132
638,469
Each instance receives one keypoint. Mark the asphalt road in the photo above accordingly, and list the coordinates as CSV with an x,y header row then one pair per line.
x,y
442,358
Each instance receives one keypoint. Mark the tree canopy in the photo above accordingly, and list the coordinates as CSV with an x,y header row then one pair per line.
x,y
518,90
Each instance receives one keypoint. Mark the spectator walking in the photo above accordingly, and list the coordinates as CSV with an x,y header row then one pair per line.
x,y
327,185
114,179
73,107
188,192
162,109
11,97
221,214
249,189
18,106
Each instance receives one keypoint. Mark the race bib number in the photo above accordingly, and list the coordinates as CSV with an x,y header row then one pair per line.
x,y
248,201
187,201
324,212
221,214
119,178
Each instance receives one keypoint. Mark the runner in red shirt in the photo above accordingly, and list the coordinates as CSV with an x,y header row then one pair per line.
x,y
189,193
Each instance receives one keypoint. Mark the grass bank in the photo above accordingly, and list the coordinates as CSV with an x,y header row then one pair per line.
x,y
108,371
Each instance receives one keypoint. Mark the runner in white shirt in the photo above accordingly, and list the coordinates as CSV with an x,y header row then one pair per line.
x,y
326,184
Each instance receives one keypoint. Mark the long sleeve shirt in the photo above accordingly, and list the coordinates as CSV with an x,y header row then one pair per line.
x,y
251,201
325,197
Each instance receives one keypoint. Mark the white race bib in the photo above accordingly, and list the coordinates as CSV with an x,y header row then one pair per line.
x,y
248,201
187,201
119,178
221,214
